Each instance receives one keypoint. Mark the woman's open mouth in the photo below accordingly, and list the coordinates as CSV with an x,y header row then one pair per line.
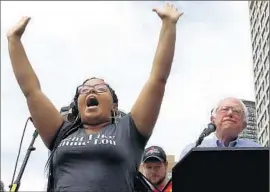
x,y
92,102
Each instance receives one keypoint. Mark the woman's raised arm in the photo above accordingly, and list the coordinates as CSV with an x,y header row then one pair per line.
x,y
146,109
46,117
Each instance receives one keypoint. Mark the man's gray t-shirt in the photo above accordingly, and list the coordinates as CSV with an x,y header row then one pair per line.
x,y
101,162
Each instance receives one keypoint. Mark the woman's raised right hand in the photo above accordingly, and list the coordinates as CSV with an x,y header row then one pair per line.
x,y
18,29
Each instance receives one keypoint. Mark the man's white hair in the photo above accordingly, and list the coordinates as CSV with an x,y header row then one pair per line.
x,y
245,110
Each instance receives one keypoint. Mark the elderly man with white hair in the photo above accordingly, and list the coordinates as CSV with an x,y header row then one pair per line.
x,y
230,117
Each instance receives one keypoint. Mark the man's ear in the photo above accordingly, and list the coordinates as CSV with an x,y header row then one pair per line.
x,y
166,164
212,119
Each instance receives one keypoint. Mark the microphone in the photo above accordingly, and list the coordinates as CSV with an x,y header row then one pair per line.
x,y
207,131
210,129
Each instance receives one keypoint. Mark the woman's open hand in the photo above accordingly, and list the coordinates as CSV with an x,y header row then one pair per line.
x,y
18,29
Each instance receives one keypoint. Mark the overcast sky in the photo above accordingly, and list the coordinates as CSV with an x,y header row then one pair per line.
x,y
68,42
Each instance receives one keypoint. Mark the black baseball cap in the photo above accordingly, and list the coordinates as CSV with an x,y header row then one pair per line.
x,y
154,153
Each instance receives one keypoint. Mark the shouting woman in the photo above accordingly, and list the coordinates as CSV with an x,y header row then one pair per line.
x,y
97,152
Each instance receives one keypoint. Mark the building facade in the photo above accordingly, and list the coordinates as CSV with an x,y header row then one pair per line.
x,y
259,26
171,164
251,130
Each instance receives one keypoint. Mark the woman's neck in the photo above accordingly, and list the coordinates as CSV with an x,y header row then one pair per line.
x,y
95,128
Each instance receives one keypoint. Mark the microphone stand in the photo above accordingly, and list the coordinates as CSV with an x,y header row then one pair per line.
x,y
200,139
14,187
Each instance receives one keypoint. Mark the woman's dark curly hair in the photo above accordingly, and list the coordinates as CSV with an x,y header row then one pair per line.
x,y
62,134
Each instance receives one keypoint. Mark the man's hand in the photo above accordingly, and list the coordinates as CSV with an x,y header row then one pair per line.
x,y
17,30
168,13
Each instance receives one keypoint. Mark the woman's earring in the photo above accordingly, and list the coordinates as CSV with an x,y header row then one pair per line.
x,y
115,116
77,118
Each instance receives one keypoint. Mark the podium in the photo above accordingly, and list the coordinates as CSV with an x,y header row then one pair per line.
x,y
140,184
222,169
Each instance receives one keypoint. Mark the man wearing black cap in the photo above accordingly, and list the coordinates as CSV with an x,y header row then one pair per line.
x,y
155,166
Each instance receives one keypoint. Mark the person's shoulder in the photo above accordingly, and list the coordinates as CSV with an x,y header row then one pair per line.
x,y
208,142
65,125
63,128
186,149
248,143
127,126
126,121
125,117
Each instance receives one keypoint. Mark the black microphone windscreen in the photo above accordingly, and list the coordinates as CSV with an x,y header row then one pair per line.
x,y
212,126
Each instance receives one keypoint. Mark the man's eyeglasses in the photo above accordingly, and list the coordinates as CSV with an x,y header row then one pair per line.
x,y
86,89
226,109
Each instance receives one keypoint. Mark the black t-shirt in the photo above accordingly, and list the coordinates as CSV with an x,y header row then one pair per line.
x,y
100,162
